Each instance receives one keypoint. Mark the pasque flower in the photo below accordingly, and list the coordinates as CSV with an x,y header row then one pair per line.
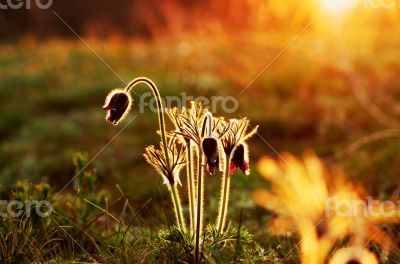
x,y
211,155
188,124
118,104
167,159
239,159
234,145
169,168
210,146
236,156
156,158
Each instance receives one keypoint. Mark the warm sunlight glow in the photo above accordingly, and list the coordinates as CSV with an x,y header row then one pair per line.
x,y
338,5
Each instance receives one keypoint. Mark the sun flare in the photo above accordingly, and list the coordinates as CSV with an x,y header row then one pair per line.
x,y
338,6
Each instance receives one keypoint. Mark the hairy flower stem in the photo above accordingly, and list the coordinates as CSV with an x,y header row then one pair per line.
x,y
190,182
199,214
177,207
200,191
160,108
224,198
161,122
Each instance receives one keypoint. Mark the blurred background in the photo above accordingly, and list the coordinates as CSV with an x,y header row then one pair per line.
x,y
314,74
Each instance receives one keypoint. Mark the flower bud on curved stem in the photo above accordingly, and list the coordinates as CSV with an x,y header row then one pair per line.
x,y
160,108
117,105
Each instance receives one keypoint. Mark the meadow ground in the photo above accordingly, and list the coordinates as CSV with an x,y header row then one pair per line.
x,y
340,98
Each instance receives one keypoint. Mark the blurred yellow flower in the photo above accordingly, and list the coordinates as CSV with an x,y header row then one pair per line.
x,y
320,208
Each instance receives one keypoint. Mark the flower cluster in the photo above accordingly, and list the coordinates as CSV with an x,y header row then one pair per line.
x,y
198,141
219,145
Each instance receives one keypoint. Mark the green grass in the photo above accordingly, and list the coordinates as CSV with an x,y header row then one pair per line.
x,y
89,225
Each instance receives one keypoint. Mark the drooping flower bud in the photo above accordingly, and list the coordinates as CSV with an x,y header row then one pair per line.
x,y
211,155
239,159
209,145
117,105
